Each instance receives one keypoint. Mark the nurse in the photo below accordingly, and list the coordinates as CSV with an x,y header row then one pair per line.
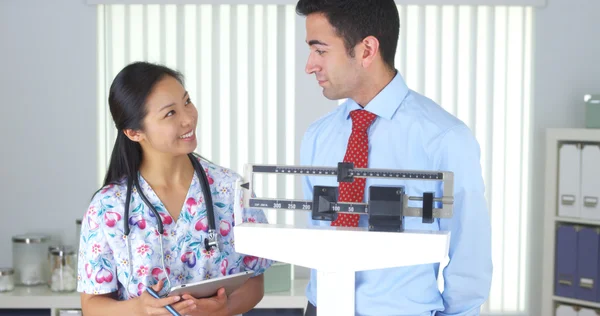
x,y
156,121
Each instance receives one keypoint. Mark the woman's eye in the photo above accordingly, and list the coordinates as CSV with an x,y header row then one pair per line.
x,y
170,113
188,101
320,52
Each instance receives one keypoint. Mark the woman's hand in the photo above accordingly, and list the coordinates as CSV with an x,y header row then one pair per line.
x,y
213,306
146,304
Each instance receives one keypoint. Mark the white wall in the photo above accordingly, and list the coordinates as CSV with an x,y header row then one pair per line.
x,y
567,66
48,95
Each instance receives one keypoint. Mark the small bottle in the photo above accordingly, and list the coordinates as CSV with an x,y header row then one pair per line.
x,y
63,275
7,282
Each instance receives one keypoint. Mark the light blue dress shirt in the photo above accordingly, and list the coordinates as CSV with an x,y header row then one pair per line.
x,y
413,132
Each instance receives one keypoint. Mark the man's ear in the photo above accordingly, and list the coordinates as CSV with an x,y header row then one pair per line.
x,y
370,50
133,135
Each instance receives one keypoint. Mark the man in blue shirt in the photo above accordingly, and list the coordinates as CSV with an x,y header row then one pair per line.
x,y
352,48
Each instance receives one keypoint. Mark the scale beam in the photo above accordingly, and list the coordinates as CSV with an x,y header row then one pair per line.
x,y
325,206
354,172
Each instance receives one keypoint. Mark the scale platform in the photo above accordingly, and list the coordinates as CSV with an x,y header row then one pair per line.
x,y
325,248
337,253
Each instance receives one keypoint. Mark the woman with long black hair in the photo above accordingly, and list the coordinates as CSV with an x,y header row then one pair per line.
x,y
148,226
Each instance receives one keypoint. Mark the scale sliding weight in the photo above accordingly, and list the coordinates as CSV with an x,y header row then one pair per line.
x,y
387,205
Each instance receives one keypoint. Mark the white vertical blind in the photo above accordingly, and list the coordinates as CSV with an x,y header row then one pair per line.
x,y
476,62
239,64
293,2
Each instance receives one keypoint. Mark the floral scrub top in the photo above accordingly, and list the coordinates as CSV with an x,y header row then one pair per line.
x,y
103,265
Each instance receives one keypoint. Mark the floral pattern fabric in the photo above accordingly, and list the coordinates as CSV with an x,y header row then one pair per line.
x,y
104,267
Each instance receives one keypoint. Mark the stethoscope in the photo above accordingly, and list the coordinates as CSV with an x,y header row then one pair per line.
x,y
209,242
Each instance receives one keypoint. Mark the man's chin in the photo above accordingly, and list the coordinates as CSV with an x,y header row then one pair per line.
x,y
330,94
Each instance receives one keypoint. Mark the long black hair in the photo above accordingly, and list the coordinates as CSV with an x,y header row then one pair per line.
x,y
127,100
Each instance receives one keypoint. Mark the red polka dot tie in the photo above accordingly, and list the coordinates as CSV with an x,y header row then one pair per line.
x,y
357,152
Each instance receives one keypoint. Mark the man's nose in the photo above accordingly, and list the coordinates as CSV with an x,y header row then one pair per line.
x,y
311,67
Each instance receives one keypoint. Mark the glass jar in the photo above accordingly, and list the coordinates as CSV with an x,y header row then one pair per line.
x,y
7,282
29,259
63,275
50,249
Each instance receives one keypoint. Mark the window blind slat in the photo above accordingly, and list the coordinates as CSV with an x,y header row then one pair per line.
x,y
180,38
525,150
215,78
498,172
514,156
126,35
438,47
235,89
290,105
102,80
431,45
205,108
251,83
280,98
188,51
464,60
413,57
222,119
402,49
135,24
162,32
145,32
421,50
244,86
473,79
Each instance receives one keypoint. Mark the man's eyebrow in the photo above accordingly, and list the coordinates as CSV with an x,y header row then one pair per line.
x,y
316,42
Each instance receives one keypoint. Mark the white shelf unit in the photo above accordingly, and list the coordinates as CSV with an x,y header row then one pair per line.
x,y
554,138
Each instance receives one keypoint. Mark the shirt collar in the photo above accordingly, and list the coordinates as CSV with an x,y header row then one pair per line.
x,y
386,102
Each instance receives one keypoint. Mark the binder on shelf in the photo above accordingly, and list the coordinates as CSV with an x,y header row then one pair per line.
x,y
569,180
566,261
566,310
590,182
588,246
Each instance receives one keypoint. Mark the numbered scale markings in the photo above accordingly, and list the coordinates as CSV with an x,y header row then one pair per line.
x,y
360,208
357,172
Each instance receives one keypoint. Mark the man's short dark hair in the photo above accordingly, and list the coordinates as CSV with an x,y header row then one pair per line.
x,y
354,20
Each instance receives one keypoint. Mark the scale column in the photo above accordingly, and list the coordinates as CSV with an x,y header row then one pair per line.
x,y
335,293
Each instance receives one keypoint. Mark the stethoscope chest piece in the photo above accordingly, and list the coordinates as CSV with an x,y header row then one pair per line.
x,y
211,241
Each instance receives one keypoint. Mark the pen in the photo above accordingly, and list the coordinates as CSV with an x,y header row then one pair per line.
x,y
168,307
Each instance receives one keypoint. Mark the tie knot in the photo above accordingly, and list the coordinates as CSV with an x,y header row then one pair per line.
x,y
361,120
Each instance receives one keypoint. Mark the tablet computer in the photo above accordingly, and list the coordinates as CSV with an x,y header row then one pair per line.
x,y
209,288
